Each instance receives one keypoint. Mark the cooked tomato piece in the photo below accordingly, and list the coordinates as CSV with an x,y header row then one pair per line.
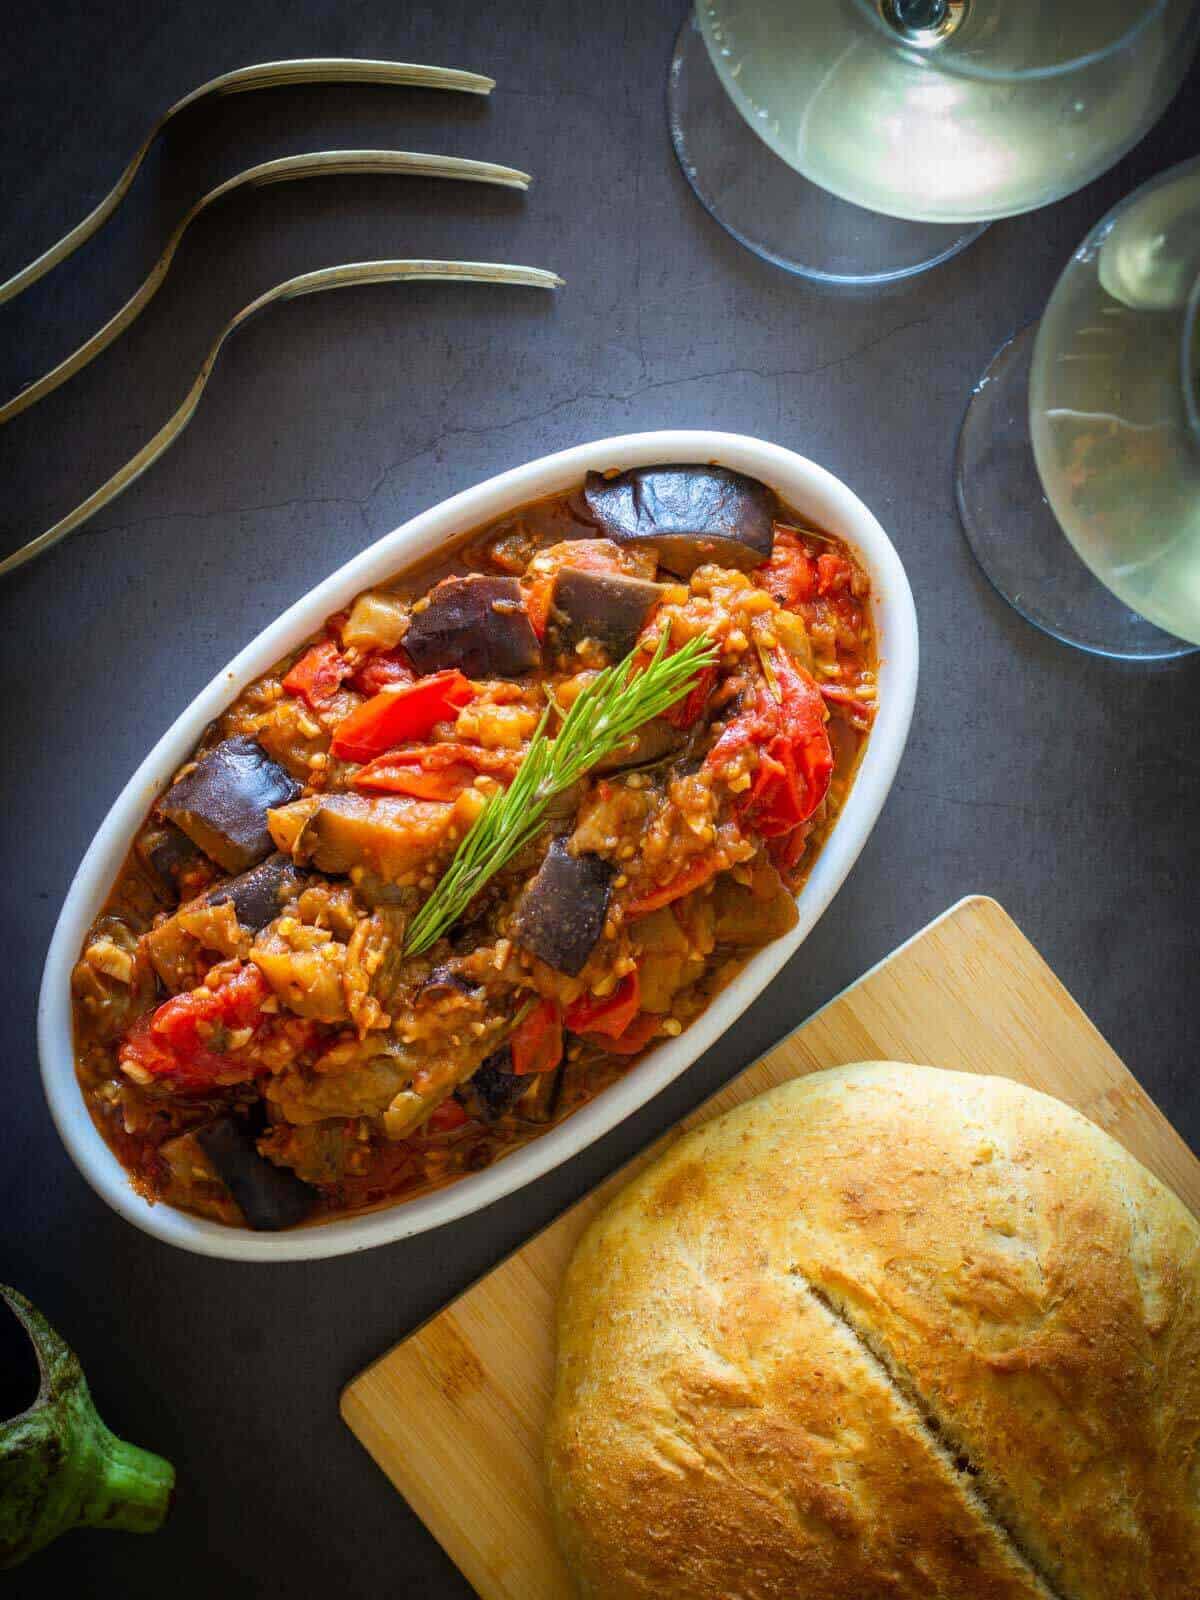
x,y
408,775
383,669
595,555
318,674
538,596
395,716
833,572
787,849
193,1040
684,713
435,771
790,576
610,1016
795,758
537,1041
446,1117
691,877
635,1037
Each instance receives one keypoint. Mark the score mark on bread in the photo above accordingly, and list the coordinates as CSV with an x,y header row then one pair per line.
x,y
884,1332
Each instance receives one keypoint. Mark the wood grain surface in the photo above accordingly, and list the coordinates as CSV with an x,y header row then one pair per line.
x,y
454,1414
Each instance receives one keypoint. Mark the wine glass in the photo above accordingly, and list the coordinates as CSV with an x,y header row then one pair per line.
x,y
861,141
1099,404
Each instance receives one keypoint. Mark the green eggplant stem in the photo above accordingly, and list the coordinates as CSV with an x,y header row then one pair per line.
x,y
60,1467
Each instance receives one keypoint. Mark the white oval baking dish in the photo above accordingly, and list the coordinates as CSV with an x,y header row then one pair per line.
x,y
806,487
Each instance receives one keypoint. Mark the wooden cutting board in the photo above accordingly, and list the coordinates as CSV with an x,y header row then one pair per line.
x,y
454,1413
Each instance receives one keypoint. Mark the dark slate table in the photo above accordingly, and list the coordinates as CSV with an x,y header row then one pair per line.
x,y
1063,785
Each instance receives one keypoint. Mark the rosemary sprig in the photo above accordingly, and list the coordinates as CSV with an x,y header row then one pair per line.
x,y
613,706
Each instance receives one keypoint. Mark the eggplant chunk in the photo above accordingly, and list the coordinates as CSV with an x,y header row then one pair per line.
x,y
753,913
561,914
494,1088
655,743
223,802
690,515
477,624
606,606
444,983
268,1196
390,836
260,895
168,852
541,1101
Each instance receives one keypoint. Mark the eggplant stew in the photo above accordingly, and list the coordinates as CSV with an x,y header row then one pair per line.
x,y
446,871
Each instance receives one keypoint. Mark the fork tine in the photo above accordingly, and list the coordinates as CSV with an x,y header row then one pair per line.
x,y
322,163
339,277
264,75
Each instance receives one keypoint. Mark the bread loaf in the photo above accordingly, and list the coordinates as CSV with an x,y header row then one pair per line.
x,y
884,1333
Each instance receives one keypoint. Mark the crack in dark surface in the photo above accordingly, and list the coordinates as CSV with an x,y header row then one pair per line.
x,y
967,1474
617,397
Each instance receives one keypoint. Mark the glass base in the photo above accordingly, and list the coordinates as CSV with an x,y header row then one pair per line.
x,y
1016,537
768,207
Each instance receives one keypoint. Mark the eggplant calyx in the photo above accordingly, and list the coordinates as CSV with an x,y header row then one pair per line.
x,y
60,1467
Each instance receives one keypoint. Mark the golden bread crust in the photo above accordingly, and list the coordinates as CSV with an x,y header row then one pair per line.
x,y
883,1332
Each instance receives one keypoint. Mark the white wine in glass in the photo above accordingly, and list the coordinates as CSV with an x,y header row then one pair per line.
x,y
1107,391
940,113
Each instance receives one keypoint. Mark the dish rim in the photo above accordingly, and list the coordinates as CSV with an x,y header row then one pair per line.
x,y
802,484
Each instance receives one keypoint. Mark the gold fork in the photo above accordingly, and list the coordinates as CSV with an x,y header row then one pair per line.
x,y
321,164
265,75
340,277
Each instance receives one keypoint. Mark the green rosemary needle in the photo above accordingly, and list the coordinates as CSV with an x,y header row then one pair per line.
x,y
612,707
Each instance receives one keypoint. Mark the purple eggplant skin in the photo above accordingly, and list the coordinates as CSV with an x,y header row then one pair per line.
x,y
222,803
605,606
653,745
479,625
560,917
494,1088
269,1197
689,515
168,852
541,1101
260,895
444,982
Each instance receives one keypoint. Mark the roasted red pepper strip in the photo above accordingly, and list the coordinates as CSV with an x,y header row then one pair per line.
x,y
434,771
610,1016
396,716
692,876
187,1040
537,1041
636,1036
318,674
381,670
